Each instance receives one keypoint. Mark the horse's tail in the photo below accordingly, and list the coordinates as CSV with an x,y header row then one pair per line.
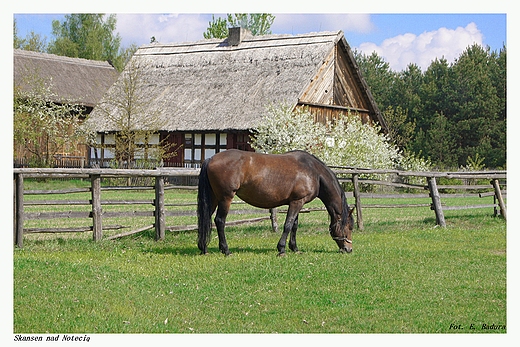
x,y
204,207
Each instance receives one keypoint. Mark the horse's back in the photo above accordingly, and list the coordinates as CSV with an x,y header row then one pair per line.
x,y
227,162
237,160
263,180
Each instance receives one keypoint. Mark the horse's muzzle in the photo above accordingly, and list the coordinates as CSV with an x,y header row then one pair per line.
x,y
344,244
346,249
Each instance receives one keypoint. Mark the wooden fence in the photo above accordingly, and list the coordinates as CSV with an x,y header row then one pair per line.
x,y
58,161
431,186
354,176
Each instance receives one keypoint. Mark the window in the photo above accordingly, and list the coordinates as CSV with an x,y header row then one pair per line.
x,y
201,146
239,141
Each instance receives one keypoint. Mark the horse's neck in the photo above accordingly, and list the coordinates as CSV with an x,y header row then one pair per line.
x,y
330,195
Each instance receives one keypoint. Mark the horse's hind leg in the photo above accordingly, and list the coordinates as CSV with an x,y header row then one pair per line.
x,y
220,223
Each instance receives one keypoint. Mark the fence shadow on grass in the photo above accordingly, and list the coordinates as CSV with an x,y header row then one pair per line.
x,y
397,224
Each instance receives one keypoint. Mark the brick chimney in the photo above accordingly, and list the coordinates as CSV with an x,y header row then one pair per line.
x,y
236,35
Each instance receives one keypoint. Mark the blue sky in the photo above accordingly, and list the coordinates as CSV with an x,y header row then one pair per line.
x,y
399,38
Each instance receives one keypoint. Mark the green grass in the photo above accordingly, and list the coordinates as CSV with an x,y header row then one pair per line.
x,y
405,275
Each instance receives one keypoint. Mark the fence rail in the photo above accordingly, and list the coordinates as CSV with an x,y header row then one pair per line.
x,y
159,213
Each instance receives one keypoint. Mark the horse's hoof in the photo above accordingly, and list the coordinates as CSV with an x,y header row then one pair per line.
x,y
281,254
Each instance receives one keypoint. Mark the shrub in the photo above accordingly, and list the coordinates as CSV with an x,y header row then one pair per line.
x,y
345,142
283,130
351,143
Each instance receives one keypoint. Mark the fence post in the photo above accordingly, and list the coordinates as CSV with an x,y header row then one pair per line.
x,y
498,195
160,223
19,211
97,223
436,201
357,197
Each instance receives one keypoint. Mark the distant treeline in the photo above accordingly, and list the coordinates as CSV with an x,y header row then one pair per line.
x,y
454,114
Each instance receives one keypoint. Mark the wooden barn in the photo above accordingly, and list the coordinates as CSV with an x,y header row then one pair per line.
x,y
72,80
208,94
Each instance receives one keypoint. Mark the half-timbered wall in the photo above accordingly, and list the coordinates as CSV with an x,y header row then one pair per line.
x,y
185,149
200,146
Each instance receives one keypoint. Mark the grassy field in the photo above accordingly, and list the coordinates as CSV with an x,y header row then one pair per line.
x,y
405,275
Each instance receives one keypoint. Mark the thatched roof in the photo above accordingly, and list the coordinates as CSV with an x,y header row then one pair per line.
x,y
210,85
73,80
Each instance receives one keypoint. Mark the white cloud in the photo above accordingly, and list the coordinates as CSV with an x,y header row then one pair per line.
x,y
290,23
166,28
139,28
166,17
360,23
401,50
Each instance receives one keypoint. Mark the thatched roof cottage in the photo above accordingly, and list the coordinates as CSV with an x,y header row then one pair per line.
x,y
207,95
70,80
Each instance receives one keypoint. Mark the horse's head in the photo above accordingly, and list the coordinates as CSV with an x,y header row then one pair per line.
x,y
341,232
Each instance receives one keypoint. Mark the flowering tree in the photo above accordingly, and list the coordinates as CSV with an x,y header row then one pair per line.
x,y
283,130
344,142
43,128
349,142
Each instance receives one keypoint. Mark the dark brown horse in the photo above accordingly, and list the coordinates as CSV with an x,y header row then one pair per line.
x,y
268,181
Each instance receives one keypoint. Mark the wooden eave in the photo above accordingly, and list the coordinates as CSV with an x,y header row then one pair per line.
x,y
361,83
338,85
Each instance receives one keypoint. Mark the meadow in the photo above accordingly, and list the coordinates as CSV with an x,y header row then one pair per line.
x,y
405,275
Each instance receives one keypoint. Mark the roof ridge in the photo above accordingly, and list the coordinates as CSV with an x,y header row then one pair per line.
x,y
61,58
252,38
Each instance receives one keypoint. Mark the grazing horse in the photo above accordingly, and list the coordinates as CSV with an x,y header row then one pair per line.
x,y
267,181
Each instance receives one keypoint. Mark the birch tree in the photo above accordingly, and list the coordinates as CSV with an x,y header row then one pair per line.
x,y
126,107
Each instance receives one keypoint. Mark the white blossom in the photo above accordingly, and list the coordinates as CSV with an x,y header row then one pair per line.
x,y
344,142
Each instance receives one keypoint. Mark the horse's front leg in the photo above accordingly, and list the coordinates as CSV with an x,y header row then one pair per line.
x,y
290,225
220,223
292,240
